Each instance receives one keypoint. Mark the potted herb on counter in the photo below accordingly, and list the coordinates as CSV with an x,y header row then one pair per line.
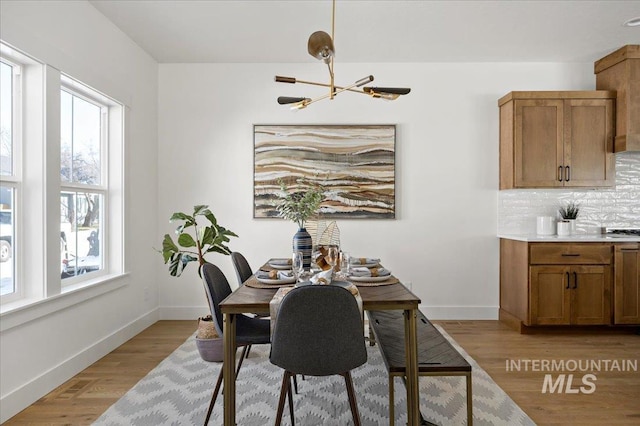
x,y
569,212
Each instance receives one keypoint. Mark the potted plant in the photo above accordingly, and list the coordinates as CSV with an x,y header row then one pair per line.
x,y
299,206
569,213
192,247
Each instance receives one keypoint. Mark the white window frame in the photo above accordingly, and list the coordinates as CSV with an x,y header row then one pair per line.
x,y
80,91
40,187
14,181
111,184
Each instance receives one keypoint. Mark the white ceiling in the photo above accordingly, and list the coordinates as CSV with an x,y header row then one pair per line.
x,y
184,31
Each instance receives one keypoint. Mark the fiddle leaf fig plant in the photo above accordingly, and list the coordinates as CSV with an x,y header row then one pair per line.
x,y
191,247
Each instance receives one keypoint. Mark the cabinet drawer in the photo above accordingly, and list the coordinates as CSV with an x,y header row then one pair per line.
x,y
570,254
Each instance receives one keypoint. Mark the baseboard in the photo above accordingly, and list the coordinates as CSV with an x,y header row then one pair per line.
x,y
432,312
19,399
460,312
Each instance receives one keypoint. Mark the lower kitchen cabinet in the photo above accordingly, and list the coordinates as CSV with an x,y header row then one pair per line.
x,y
627,284
566,295
556,283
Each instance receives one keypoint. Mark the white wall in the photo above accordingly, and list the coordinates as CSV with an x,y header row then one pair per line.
x,y
443,240
42,353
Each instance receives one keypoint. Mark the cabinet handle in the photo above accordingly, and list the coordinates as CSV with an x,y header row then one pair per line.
x,y
568,279
560,173
567,173
570,254
575,280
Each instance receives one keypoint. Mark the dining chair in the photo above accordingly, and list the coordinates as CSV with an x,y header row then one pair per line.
x,y
249,331
318,332
243,270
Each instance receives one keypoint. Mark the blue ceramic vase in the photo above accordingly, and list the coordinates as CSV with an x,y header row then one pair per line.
x,y
302,242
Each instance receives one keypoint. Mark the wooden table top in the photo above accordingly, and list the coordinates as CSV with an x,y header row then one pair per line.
x,y
256,300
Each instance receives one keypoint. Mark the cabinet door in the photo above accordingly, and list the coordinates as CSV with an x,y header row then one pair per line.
x,y
538,150
550,295
590,295
627,285
588,143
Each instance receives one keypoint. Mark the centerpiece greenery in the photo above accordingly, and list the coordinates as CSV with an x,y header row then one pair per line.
x,y
191,248
299,206
570,210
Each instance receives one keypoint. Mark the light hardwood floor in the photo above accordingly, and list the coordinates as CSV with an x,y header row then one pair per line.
x,y
615,401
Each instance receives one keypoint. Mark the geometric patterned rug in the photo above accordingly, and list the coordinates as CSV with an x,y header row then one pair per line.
x,y
178,390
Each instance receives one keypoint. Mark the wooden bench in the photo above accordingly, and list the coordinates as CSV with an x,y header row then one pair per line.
x,y
436,356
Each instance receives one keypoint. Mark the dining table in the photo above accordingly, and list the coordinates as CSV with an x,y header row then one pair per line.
x,y
397,296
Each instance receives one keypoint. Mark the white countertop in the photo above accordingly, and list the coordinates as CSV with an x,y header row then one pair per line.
x,y
576,238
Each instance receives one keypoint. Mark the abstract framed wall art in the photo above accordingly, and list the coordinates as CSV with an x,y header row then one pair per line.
x,y
354,164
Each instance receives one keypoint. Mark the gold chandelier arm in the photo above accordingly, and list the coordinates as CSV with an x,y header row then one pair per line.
x,y
358,83
293,80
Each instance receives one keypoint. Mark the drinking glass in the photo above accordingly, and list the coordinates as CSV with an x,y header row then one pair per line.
x,y
297,265
332,256
345,268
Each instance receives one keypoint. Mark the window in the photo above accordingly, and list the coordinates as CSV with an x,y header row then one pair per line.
x,y
9,144
62,187
82,196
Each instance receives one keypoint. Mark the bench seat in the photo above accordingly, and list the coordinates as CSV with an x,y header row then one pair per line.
x,y
436,356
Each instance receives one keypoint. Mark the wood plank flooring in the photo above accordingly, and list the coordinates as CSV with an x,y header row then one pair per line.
x,y
615,401
83,398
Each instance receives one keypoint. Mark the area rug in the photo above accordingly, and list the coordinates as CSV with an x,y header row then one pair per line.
x,y
178,390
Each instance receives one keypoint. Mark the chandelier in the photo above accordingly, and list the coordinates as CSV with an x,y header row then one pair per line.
x,y
321,46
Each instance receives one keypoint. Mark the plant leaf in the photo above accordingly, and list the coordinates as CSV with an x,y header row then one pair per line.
x,y
207,235
186,240
180,216
198,210
175,265
168,248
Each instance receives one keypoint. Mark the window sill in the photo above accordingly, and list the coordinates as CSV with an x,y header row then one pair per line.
x,y
25,310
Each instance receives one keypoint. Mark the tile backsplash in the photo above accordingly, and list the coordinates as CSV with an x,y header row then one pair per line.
x,y
613,207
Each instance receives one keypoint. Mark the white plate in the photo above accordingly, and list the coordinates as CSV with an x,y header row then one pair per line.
x,y
270,281
279,266
366,265
369,279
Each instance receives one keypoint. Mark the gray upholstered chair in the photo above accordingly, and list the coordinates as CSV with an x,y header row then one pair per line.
x,y
243,270
243,273
318,332
249,330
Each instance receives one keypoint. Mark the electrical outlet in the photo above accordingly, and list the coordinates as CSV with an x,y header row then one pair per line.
x,y
146,294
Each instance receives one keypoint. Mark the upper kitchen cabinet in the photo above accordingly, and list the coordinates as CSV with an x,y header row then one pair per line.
x,y
620,71
556,139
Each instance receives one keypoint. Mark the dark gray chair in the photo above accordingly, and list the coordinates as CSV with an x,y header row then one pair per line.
x,y
243,270
318,332
243,273
249,331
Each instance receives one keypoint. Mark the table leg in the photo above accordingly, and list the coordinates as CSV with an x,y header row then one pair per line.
x,y
469,401
228,369
411,353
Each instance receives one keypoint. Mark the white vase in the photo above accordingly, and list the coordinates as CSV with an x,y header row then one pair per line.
x,y
564,228
573,225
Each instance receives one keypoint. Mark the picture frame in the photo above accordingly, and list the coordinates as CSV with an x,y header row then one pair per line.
x,y
353,164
